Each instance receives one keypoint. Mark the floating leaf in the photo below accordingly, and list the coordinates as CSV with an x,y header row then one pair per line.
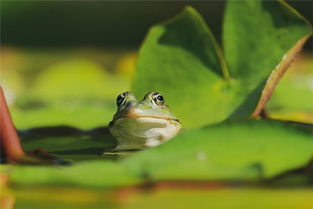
x,y
247,151
77,79
100,174
252,150
80,114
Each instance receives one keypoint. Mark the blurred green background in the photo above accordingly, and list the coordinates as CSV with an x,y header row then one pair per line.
x,y
64,63
101,23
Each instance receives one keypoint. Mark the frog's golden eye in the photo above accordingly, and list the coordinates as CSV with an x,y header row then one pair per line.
x,y
121,99
157,98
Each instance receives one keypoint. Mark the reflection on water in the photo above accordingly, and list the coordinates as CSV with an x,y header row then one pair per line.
x,y
224,198
73,144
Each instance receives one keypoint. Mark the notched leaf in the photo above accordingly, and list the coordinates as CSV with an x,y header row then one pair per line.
x,y
181,59
261,38
276,75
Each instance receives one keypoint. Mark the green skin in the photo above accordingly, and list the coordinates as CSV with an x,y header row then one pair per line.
x,y
144,123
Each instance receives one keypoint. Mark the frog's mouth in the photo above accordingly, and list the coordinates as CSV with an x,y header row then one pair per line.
x,y
131,114
140,128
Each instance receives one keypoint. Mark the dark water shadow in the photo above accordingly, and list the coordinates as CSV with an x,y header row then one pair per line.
x,y
62,130
66,142
92,150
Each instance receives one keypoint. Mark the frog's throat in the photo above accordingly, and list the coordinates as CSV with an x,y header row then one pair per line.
x,y
130,114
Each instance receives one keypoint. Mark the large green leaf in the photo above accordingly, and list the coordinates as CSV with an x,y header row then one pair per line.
x,y
247,151
253,150
260,40
181,59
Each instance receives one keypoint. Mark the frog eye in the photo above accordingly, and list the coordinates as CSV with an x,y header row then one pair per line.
x,y
121,98
157,98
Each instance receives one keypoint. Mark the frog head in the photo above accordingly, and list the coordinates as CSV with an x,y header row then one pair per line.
x,y
142,123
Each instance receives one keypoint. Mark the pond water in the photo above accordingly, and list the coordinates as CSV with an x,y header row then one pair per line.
x,y
217,198
88,145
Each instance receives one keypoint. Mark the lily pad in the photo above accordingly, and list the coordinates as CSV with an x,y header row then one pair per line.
x,y
246,151
181,59
101,174
75,92
251,150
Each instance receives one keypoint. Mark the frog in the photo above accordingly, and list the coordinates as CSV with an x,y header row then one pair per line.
x,y
140,124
